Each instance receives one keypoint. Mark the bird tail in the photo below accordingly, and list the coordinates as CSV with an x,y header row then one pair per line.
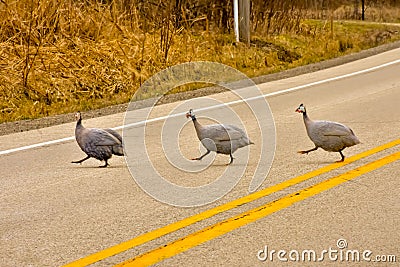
x,y
118,150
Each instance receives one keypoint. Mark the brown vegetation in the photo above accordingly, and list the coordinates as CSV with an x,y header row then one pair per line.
x,y
60,56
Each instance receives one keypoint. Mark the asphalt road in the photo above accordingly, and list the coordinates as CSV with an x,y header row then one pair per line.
x,y
54,213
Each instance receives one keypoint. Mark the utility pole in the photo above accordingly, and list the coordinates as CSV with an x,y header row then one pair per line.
x,y
236,19
241,14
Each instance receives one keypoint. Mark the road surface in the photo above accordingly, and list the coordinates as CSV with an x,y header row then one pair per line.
x,y
55,213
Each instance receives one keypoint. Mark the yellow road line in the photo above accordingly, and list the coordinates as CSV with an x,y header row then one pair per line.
x,y
247,217
111,251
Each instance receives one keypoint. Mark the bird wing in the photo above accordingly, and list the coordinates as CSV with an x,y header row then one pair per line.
x,y
100,137
329,128
114,133
220,132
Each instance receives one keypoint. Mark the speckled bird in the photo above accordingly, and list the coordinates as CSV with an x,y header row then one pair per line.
x,y
328,135
221,138
97,143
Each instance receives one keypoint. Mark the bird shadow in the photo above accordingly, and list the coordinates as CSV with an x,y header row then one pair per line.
x,y
227,165
318,162
97,166
221,164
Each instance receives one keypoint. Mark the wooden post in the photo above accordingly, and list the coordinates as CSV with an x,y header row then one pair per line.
x,y
331,21
244,21
363,9
355,11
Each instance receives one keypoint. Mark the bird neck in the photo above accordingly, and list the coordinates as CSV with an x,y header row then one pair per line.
x,y
195,122
307,120
197,125
305,116
79,123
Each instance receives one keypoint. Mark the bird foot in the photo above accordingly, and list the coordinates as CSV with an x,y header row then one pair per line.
x,y
105,165
302,152
196,159
338,161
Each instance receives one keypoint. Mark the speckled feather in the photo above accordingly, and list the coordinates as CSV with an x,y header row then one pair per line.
x,y
224,139
98,143
328,135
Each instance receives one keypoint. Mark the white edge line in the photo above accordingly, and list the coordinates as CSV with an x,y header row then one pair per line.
x,y
140,123
12,150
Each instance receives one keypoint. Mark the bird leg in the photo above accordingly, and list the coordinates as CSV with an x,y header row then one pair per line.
x,y
341,154
105,165
82,160
201,157
308,151
230,162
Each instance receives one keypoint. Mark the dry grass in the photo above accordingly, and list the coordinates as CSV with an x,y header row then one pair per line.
x,y
63,56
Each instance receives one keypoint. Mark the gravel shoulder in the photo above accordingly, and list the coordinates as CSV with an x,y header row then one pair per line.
x,y
26,125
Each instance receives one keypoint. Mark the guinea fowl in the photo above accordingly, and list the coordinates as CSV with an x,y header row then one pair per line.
x,y
223,139
328,135
97,143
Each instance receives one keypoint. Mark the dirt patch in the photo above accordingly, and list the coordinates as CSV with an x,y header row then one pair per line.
x,y
282,53
26,125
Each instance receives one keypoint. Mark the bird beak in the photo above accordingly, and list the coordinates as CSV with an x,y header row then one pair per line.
x,y
187,115
298,110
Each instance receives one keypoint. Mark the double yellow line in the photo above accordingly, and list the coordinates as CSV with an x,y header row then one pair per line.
x,y
235,222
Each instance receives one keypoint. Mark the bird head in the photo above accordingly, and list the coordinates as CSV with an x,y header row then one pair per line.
x,y
78,116
190,114
301,109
